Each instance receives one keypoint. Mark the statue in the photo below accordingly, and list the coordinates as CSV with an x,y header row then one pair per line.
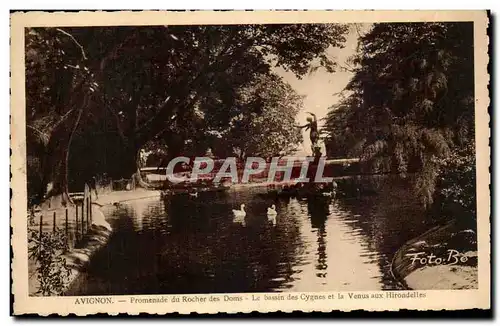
x,y
312,125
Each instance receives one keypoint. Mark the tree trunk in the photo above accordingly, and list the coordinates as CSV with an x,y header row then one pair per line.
x,y
125,164
139,182
55,162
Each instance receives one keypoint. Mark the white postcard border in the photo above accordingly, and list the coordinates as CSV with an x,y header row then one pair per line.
x,y
430,300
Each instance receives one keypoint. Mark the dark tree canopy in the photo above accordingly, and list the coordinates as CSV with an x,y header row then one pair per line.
x,y
410,103
109,91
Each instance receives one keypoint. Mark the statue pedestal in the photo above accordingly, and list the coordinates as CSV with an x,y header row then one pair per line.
x,y
316,153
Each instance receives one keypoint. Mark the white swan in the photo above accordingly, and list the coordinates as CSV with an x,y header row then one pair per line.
x,y
271,214
330,194
239,215
271,211
241,212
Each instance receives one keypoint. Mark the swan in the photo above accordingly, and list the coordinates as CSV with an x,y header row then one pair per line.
x,y
271,214
271,211
330,194
239,215
194,194
241,212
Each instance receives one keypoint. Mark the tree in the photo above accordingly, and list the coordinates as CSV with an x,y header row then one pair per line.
x,y
341,141
411,99
59,88
268,127
262,117
149,83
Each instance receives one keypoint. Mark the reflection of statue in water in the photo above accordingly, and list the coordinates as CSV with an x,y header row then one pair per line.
x,y
312,124
318,209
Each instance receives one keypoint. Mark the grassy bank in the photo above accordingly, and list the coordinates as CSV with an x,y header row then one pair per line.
x,y
56,258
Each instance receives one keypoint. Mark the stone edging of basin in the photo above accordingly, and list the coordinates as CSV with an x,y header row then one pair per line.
x,y
436,241
79,258
101,231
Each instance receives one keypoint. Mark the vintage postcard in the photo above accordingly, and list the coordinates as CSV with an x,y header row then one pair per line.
x,y
249,161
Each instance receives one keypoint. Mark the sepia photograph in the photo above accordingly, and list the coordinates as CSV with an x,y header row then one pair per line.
x,y
290,160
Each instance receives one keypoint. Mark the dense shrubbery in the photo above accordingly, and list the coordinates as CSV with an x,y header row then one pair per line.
x,y
51,269
409,110
455,195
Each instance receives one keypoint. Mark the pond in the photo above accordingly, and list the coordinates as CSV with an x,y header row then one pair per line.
x,y
195,245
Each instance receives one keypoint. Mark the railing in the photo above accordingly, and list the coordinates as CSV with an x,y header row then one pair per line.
x,y
74,221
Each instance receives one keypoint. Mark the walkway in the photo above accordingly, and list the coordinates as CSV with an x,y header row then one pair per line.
x,y
125,195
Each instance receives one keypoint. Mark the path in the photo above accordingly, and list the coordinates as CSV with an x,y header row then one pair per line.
x,y
125,195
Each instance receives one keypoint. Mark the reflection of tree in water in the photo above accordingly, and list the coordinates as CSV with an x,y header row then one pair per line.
x,y
318,209
188,245
187,214
387,220
207,252
126,264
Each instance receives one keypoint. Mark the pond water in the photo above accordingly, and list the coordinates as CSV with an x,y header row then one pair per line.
x,y
195,245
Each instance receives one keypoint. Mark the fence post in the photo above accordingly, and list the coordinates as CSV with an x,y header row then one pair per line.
x,y
76,212
66,227
88,213
90,210
54,223
83,225
41,224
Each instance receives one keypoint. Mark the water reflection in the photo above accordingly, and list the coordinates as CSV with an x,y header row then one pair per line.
x,y
318,210
194,245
